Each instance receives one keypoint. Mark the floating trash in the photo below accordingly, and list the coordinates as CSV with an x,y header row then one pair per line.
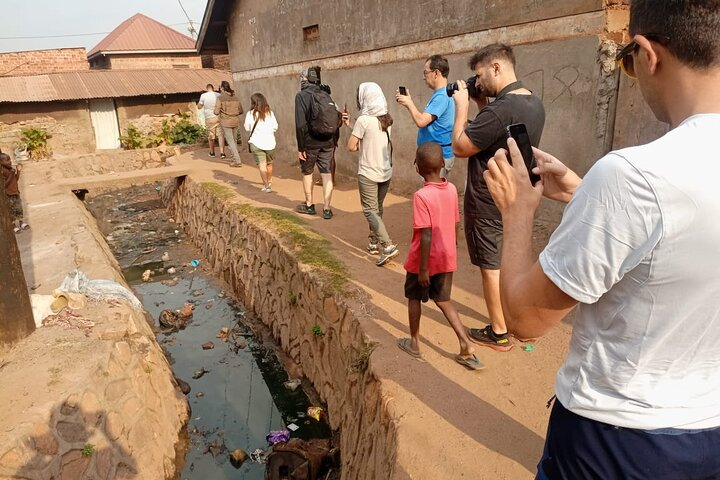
x,y
195,263
315,412
275,436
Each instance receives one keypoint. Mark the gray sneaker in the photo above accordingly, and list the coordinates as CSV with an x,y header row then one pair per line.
x,y
388,252
372,248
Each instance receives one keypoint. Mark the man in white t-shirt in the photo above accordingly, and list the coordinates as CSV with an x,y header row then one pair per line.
x,y
638,252
207,104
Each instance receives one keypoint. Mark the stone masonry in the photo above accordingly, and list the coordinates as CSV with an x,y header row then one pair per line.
x,y
291,299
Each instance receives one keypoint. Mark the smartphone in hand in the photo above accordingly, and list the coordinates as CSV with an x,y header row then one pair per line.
x,y
519,133
402,90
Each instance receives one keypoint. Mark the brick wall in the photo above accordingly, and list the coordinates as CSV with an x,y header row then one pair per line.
x,y
68,123
149,61
43,61
218,62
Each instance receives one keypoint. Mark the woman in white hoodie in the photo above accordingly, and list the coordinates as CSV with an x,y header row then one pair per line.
x,y
262,125
371,135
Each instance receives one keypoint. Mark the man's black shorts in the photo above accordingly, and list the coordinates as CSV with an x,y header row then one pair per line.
x,y
439,289
320,156
484,241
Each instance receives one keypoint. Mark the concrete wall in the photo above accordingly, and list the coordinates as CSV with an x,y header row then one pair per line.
x,y
565,53
68,123
43,61
270,32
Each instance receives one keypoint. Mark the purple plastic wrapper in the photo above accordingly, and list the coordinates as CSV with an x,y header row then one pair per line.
x,y
276,436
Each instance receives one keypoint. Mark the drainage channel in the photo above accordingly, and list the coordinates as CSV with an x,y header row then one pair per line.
x,y
239,389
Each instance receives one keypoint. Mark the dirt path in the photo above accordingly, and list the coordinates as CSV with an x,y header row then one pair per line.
x,y
453,423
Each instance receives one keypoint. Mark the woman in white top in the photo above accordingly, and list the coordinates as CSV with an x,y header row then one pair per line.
x,y
262,125
371,135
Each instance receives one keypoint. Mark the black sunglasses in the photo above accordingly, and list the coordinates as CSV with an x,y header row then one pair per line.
x,y
625,59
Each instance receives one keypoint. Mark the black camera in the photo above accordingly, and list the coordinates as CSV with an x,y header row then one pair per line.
x,y
473,92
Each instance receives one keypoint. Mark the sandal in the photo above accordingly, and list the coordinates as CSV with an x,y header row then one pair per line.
x,y
404,345
471,362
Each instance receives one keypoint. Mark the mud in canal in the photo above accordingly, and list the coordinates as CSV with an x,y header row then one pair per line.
x,y
239,389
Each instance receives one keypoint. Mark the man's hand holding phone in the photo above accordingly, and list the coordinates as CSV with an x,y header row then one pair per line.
x,y
403,96
509,184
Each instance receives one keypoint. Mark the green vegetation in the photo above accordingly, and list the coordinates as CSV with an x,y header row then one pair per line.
x,y
133,138
186,132
317,330
35,139
88,449
309,247
362,361
179,130
292,298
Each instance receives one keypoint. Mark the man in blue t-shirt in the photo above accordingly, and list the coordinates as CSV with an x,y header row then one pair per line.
x,y
436,122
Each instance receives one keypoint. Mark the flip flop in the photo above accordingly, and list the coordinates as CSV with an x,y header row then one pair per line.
x,y
471,362
404,345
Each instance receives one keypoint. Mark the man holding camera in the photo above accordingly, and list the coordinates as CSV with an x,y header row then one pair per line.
x,y
638,395
494,67
436,122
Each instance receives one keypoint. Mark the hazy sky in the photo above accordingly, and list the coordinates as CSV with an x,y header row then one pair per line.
x,y
69,18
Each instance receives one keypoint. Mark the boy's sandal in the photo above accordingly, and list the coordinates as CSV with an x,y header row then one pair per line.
x,y
404,345
471,362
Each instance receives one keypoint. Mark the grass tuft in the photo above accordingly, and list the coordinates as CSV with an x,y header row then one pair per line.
x,y
310,247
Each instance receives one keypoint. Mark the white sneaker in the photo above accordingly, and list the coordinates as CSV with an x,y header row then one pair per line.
x,y
266,189
388,252
372,248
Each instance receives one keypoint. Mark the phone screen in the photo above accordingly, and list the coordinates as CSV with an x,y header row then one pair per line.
x,y
518,131
402,90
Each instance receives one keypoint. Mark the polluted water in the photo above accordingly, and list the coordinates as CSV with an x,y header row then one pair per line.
x,y
239,391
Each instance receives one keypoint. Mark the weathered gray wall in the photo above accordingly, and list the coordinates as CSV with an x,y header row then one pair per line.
x,y
270,32
568,85
565,53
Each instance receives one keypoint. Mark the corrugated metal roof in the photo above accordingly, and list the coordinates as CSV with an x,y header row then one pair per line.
x,y
142,33
106,84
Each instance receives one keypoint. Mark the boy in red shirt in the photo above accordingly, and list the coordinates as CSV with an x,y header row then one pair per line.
x,y
433,254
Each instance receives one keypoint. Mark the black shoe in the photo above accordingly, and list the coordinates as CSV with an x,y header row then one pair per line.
x,y
222,155
487,338
306,209
211,155
327,214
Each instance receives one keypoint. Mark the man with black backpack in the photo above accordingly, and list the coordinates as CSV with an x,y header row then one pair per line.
x,y
316,125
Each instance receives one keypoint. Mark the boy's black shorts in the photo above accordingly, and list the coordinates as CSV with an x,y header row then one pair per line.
x,y
439,289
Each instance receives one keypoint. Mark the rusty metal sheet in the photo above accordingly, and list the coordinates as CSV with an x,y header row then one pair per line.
x,y
90,84
142,33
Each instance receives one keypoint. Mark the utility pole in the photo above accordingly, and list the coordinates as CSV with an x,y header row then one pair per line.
x,y
16,317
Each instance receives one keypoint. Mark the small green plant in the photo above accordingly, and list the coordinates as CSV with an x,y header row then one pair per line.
x,y
35,139
292,298
186,132
317,330
133,138
88,449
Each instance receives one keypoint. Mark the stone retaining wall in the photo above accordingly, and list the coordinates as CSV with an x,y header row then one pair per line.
x,y
292,298
111,409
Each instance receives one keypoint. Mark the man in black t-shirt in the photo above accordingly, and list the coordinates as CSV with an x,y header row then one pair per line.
x,y
494,66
